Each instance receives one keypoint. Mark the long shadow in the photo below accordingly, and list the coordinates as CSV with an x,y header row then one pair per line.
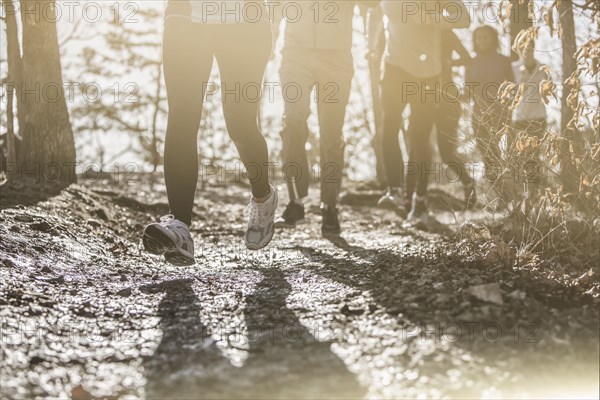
x,y
293,362
285,359
386,280
412,273
422,291
341,243
186,358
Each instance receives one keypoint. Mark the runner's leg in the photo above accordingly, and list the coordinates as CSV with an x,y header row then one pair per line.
x,y
187,60
297,80
242,57
393,107
335,81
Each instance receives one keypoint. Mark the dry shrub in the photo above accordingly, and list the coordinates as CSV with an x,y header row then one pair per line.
x,y
542,214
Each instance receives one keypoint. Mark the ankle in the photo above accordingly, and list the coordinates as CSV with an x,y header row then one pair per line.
x,y
261,200
185,221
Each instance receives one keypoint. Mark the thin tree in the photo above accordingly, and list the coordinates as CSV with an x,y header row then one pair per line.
x,y
568,173
12,82
48,150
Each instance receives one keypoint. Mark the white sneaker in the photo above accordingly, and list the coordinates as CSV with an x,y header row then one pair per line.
x,y
261,225
171,238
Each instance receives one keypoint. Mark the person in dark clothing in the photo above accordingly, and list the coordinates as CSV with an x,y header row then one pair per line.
x,y
412,77
484,75
194,36
449,111
317,54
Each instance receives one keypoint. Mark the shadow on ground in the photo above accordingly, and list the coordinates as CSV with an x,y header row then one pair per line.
x,y
284,359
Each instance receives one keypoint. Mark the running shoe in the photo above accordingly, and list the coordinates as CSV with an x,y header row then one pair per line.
x,y
291,217
171,238
330,224
261,221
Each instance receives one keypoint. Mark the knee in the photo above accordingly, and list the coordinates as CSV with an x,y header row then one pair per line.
x,y
333,143
184,115
179,130
294,122
295,130
244,136
242,129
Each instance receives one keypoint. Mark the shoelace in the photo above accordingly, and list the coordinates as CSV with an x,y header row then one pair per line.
x,y
256,214
164,220
178,229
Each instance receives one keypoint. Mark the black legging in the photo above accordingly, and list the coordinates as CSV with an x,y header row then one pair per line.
x,y
242,52
396,88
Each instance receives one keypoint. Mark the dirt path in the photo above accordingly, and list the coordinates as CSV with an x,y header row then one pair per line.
x,y
387,311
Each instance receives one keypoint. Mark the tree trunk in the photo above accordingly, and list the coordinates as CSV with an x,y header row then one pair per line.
x,y
375,76
568,173
13,53
48,151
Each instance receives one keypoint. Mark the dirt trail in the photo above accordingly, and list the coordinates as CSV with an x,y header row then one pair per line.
x,y
386,311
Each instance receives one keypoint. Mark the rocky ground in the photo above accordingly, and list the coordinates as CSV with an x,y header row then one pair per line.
x,y
384,311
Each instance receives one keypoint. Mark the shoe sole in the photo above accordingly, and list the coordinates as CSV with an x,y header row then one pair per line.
x,y
290,226
265,243
155,241
158,243
179,260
